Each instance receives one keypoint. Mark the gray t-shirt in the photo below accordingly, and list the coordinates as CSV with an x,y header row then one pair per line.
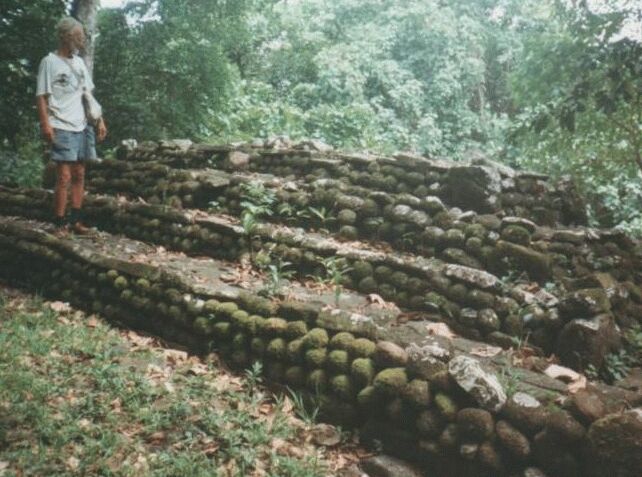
x,y
63,81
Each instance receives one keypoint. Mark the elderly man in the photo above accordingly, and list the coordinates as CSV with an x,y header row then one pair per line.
x,y
62,78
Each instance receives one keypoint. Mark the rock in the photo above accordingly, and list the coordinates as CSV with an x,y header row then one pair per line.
x,y
533,472
386,466
460,257
537,264
512,440
472,276
562,424
389,355
587,406
585,303
475,424
483,386
529,225
584,342
351,471
320,146
325,435
237,160
433,204
177,144
489,221
616,443
429,359
473,188
633,381
525,412
576,237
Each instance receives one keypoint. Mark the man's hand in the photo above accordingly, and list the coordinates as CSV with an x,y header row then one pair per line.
x,y
48,133
102,130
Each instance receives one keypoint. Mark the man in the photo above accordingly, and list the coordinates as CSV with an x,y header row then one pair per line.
x,y
62,78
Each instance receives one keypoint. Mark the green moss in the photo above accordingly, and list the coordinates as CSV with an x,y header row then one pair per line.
x,y
294,351
415,285
239,340
368,398
516,234
276,348
338,361
383,273
342,340
172,295
316,357
458,293
127,295
258,305
391,381
239,319
257,346
343,387
316,338
143,285
317,381
446,406
429,423
362,348
362,269
399,279
295,376
226,309
121,283
417,393
112,274
296,329
222,330
480,299
175,313
363,371
274,326
202,325
348,232
475,231
347,217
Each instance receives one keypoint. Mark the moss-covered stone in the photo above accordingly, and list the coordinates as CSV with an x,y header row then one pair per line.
x,y
274,327
362,269
343,387
417,393
367,285
449,437
347,217
275,371
362,348
294,351
202,325
226,309
458,293
369,399
239,319
363,371
316,338
276,349
512,440
338,361
257,346
454,238
446,406
480,299
143,285
429,423
211,307
317,381
120,283
222,330
391,381
516,234
295,376
342,340
240,358
316,357
475,424
348,232
239,340
382,273
399,280
491,459
296,329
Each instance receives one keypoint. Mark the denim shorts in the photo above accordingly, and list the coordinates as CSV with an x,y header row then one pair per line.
x,y
71,146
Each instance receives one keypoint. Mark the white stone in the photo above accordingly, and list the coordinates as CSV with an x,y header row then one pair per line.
x,y
483,386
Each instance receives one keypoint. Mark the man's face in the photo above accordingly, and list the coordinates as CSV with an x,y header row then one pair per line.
x,y
76,39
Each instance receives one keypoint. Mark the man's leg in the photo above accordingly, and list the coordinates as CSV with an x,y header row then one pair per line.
x,y
77,194
63,178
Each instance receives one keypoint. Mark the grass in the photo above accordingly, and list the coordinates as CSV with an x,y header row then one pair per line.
x,y
79,397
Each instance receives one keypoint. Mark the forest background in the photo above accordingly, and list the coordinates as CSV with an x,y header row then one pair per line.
x,y
553,86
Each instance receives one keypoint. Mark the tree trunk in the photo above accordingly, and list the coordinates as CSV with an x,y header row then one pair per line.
x,y
85,12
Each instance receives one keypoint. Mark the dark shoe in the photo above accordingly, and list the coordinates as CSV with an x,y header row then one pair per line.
x,y
81,229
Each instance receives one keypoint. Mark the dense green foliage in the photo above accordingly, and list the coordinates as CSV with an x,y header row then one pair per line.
x,y
549,85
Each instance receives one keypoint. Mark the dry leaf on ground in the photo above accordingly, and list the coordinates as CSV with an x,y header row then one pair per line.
x,y
440,329
575,380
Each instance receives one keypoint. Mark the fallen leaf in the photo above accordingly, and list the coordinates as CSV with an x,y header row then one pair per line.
x,y
60,306
440,329
486,351
575,380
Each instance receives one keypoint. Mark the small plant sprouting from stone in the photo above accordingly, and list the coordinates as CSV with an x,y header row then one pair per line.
x,y
277,273
257,202
321,214
335,270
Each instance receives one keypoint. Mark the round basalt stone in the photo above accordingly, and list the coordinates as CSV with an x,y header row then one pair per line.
x,y
449,437
362,348
347,217
480,299
512,440
417,393
367,285
563,424
317,381
362,269
363,371
316,358
433,236
276,348
295,376
429,423
257,346
338,361
458,292
490,458
454,238
516,234
342,340
316,338
399,279
391,381
348,232
475,424
343,387
383,273
446,406
295,350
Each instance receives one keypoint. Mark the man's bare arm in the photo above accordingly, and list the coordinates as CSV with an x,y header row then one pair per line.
x,y
45,127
